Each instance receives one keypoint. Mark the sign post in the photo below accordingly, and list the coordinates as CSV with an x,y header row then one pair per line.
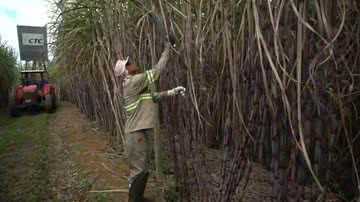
x,y
32,43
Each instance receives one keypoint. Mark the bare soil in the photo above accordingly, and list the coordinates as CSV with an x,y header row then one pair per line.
x,y
87,161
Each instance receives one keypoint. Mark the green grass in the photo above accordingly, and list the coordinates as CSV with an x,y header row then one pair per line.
x,y
101,197
85,183
22,130
3,116
23,155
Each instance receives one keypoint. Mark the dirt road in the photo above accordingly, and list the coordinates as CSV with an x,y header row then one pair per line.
x,y
60,157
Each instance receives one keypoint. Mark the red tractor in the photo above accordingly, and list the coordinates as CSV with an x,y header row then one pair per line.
x,y
34,94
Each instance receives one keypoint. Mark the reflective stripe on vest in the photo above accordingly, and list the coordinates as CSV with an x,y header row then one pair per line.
x,y
150,76
134,105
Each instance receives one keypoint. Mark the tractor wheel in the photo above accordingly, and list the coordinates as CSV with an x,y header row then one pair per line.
x,y
53,97
48,103
35,109
14,112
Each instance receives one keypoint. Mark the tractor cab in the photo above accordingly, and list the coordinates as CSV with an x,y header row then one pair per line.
x,y
34,77
34,93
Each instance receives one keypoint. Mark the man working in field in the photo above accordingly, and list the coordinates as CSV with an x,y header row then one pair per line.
x,y
141,113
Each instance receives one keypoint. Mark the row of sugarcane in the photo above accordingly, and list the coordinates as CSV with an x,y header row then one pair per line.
x,y
8,71
273,82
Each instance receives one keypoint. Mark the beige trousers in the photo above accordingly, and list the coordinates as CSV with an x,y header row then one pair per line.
x,y
139,147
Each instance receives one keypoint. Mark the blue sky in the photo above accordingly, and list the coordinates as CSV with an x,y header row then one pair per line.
x,y
9,12
21,12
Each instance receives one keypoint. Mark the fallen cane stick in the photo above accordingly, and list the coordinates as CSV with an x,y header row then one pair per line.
x,y
120,190
108,169
110,191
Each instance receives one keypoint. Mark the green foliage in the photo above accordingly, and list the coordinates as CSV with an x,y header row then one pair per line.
x,y
7,66
170,193
85,183
335,187
167,168
54,72
101,197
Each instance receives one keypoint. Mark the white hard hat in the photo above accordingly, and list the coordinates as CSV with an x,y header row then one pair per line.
x,y
120,67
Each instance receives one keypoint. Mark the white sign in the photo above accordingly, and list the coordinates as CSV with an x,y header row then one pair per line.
x,y
32,43
32,39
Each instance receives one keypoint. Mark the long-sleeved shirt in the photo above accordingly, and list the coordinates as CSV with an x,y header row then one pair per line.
x,y
141,110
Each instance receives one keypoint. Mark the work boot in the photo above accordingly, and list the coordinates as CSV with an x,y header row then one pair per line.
x,y
137,187
148,200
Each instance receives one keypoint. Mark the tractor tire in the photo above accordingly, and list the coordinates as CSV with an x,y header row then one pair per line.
x,y
35,109
54,103
48,103
13,111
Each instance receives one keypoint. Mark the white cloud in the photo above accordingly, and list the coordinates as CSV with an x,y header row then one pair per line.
x,y
28,12
8,31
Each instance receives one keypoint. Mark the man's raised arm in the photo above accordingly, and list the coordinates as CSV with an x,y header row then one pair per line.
x,y
160,66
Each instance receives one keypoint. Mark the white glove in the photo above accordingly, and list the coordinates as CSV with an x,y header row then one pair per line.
x,y
178,90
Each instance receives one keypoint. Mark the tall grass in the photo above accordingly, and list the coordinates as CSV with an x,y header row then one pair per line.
x,y
269,81
7,69
7,65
